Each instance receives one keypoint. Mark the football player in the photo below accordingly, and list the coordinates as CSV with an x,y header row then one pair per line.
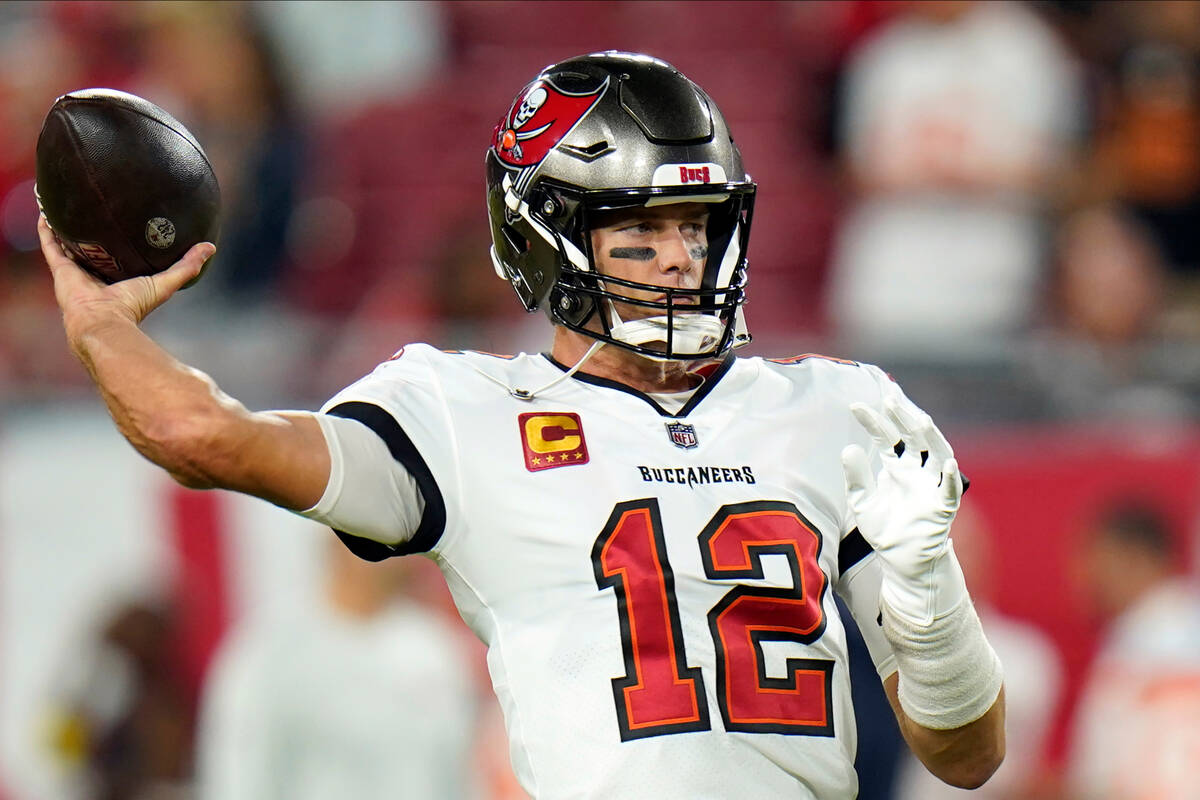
x,y
645,530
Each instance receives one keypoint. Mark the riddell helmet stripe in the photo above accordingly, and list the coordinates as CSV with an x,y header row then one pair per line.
x,y
728,262
512,199
564,245
497,264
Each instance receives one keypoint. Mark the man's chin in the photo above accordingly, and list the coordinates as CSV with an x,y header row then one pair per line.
x,y
634,313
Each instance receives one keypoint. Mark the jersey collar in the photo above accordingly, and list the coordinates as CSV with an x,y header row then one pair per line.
x,y
712,376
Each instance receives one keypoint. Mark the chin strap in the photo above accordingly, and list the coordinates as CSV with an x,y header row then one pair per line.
x,y
690,332
525,394
690,336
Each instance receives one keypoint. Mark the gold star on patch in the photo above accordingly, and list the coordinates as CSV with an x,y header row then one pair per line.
x,y
536,460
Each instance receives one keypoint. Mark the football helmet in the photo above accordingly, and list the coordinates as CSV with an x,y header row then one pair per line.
x,y
609,131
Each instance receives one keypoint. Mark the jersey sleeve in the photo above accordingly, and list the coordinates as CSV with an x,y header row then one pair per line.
x,y
401,402
369,494
858,587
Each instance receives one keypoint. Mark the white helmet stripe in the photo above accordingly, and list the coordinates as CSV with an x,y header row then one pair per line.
x,y
729,261
573,253
497,264
519,207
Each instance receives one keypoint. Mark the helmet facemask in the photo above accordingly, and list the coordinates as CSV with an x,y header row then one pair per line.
x,y
677,323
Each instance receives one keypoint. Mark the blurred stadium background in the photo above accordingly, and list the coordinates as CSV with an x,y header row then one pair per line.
x,y
998,203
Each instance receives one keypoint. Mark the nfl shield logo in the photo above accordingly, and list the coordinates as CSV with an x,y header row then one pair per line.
x,y
682,435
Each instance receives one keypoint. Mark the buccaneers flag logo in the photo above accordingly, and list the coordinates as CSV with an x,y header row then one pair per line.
x,y
539,120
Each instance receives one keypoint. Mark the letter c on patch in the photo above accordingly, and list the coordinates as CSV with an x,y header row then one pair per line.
x,y
551,433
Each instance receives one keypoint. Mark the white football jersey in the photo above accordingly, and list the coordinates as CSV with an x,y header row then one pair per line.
x,y
655,589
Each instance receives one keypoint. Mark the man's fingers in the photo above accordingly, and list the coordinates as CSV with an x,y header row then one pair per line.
x,y
51,249
66,273
913,426
881,429
937,444
939,447
185,269
926,435
160,286
45,235
860,481
952,483
139,296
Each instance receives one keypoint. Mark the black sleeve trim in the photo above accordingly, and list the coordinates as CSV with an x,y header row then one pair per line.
x,y
433,522
853,549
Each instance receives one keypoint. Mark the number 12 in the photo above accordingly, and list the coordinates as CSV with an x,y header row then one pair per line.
x,y
659,693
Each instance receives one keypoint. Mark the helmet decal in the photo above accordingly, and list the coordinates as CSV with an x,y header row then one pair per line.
x,y
542,116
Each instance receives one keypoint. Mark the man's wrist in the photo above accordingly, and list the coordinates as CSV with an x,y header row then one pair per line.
x,y
949,673
86,328
937,590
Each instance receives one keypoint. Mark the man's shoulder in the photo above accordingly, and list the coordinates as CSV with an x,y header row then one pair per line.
x,y
422,370
809,359
430,354
419,358
824,374
815,366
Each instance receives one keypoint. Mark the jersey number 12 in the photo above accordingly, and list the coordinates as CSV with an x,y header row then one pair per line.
x,y
659,693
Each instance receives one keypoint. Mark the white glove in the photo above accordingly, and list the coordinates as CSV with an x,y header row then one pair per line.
x,y
905,514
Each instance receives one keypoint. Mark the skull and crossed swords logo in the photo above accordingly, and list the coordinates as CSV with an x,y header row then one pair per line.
x,y
513,136
539,120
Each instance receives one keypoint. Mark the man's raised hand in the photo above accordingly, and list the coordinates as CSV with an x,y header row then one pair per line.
x,y
86,301
905,513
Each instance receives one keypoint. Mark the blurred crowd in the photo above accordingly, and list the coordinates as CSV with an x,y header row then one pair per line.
x,y
997,201
960,190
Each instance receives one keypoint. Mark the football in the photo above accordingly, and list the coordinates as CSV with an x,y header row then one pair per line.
x,y
125,187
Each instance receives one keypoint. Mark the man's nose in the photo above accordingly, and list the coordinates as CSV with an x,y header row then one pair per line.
x,y
675,253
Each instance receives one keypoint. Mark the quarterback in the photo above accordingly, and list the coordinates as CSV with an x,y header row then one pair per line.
x,y
646,530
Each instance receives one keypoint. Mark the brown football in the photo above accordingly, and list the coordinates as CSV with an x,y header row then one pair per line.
x,y
125,187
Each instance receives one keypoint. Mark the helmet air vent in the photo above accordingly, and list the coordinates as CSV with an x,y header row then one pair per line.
x,y
590,153
667,108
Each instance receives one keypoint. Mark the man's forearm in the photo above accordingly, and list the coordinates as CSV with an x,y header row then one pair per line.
x,y
170,412
965,757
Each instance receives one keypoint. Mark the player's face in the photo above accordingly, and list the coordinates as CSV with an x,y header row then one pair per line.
x,y
662,246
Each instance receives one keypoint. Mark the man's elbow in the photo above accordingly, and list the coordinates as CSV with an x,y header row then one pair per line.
x,y
194,450
973,771
191,480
